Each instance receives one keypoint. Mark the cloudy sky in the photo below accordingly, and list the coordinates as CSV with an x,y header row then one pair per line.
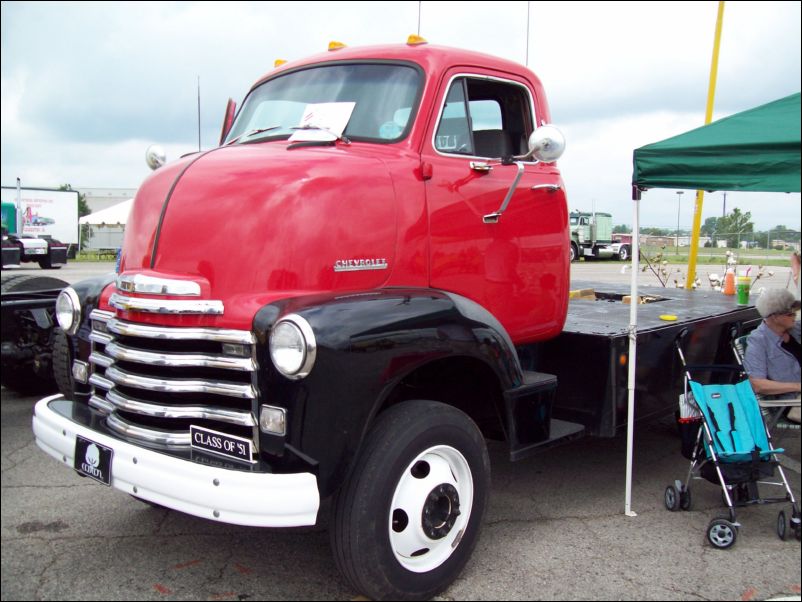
x,y
86,87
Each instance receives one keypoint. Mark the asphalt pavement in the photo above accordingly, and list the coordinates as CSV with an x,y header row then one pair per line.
x,y
555,529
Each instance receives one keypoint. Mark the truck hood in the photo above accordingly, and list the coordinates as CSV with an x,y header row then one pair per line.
x,y
257,219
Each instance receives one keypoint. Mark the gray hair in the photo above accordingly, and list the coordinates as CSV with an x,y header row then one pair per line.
x,y
776,301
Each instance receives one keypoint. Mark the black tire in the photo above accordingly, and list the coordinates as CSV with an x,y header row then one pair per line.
x,y
47,264
624,253
721,533
32,375
418,452
16,283
782,526
573,253
671,498
685,499
62,364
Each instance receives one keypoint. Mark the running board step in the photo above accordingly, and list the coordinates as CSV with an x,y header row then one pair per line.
x,y
530,427
560,432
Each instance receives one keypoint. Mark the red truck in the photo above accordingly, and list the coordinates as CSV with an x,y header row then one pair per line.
x,y
393,299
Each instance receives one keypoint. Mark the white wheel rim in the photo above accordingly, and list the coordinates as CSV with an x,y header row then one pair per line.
x,y
722,535
440,472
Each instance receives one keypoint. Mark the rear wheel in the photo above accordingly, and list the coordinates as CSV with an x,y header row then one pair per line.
x,y
47,264
671,498
685,499
721,533
623,253
782,526
408,517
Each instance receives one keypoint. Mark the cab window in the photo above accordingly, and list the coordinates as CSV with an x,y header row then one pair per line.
x,y
484,118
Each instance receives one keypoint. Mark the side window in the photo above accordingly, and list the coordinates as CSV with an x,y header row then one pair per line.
x,y
454,132
485,118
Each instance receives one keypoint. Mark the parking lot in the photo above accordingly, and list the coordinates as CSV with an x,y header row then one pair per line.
x,y
554,530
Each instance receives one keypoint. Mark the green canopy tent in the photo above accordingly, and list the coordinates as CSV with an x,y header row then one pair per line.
x,y
755,150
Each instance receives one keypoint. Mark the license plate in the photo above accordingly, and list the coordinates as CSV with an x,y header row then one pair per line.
x,y
93,460
221,444
36,251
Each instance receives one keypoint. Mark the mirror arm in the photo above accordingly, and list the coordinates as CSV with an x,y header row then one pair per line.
x,y
492,218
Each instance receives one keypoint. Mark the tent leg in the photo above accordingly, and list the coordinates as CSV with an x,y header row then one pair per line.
x,y
633,348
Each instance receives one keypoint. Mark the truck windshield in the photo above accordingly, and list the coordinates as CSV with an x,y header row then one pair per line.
x,y
384,98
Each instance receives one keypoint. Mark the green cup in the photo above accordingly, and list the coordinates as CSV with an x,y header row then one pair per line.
x,y
742,286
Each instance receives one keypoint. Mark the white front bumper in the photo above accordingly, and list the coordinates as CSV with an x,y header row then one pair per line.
x,y
229,496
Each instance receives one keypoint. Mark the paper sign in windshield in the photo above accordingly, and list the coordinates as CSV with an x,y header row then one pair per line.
x,y
323,121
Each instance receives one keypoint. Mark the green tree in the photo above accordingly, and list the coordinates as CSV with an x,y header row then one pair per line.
x,y
735,226
622,229
785,234
709,227
657,231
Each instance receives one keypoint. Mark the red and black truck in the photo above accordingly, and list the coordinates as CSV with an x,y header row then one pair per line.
x,y
398,294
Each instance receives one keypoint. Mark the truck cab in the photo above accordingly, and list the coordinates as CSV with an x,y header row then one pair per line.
x,y
591,236
394,227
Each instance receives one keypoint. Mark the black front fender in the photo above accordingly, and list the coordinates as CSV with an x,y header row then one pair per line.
x,y
366,344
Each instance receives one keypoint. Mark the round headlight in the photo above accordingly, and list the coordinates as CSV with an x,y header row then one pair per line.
x,y
292,347
68,310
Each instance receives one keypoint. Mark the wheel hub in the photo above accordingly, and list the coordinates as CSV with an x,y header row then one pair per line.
x,y
440,511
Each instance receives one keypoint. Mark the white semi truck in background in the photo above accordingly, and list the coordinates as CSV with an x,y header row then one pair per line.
x,y
592,237
39,225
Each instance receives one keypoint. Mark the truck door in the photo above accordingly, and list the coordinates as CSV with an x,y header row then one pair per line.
x,y
517,268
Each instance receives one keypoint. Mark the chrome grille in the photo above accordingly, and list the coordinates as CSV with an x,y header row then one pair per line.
x,y
153,382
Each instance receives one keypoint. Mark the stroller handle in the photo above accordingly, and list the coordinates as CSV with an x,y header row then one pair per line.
x,y
714,368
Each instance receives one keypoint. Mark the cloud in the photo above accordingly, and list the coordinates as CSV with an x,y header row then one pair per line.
x,y
87,86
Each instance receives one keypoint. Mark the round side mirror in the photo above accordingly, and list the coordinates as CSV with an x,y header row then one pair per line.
x,y
547,143
155,156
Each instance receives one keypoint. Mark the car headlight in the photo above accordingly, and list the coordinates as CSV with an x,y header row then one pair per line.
x,y
68,310
292,347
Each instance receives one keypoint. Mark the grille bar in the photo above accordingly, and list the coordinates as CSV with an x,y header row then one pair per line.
x,y
153,382
179,360
180,334
175,385
121,402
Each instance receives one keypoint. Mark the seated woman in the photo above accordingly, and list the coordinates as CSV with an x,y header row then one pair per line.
x,y
773,351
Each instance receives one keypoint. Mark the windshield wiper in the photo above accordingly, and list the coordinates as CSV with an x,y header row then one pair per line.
x,y
252,133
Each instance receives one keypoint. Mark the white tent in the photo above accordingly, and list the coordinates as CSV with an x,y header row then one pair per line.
x,y
106,227
116,214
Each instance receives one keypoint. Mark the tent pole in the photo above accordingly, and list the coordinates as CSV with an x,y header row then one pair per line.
x,y
700,195
633,345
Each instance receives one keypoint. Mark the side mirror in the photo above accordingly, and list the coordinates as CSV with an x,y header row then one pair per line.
x,y
155,156
228,119
547,144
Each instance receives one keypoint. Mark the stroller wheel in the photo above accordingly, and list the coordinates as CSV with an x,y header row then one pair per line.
x,y
685,499
721,533
782,525
671,498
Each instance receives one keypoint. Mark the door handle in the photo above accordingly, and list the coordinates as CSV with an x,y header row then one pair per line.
x,y
481,166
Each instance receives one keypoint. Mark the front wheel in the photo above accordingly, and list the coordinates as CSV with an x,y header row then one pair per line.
x,y
573,253
408,517
623,253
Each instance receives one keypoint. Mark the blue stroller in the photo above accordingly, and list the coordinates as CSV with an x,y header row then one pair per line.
x,y
733,449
